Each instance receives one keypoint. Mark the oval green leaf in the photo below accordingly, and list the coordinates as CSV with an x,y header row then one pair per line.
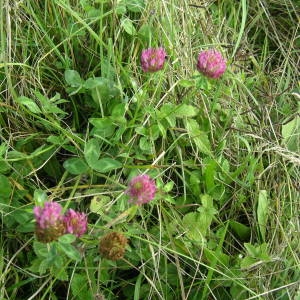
x,y
76,166
92,152
107,164
70,251
73,78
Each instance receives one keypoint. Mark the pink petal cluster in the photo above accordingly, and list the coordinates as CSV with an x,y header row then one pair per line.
x,y
141,189
51,223
153,59
211,63
49,215
75,222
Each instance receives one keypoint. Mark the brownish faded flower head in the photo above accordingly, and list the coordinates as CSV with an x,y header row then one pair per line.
x,y
112,245
49,234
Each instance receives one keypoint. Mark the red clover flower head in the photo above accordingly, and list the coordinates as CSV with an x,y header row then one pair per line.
x,y
141,189
75,222
211,63
49,222
153,59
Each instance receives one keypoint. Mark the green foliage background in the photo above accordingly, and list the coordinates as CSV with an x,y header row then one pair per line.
x,y
79,118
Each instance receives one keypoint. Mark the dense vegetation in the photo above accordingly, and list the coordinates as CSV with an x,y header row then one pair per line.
x,y
79,118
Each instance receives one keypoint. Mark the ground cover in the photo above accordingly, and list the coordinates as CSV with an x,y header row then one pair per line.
x,y
83,116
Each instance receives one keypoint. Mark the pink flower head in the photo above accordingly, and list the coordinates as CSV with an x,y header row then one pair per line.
x,y
49,221
141,189
49,215
153,59
75,222
211,63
